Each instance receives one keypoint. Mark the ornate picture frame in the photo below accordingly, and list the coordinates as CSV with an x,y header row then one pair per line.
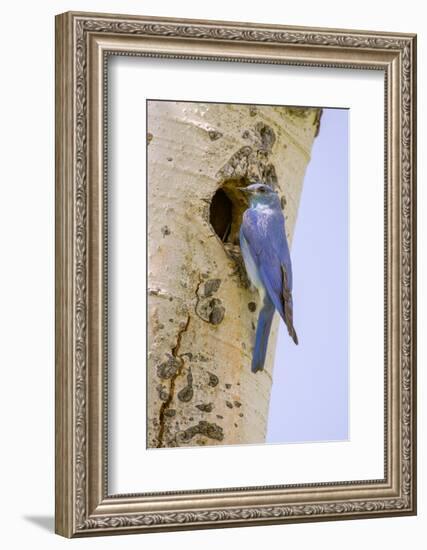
x,y
84,42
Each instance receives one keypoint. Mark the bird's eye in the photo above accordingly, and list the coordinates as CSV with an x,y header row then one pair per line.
x,y
261,190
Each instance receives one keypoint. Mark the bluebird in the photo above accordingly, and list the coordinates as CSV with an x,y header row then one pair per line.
x,y
265,252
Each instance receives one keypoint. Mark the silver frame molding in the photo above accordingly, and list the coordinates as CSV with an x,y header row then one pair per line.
x,y
83,43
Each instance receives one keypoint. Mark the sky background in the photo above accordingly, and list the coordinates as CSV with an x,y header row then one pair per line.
x,y
309,400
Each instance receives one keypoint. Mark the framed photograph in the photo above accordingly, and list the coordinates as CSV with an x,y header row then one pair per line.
x,y
235,274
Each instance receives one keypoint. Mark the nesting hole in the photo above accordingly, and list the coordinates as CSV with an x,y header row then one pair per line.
x,y
226,210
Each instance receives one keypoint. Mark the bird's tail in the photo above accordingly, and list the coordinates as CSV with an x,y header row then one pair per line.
x,y
262,333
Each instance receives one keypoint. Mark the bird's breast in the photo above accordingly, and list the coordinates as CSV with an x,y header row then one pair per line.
x,y
251,268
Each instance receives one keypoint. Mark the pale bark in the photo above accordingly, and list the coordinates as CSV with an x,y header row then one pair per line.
x,y
201,312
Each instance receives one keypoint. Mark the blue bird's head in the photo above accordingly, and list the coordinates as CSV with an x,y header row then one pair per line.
x,y
261,194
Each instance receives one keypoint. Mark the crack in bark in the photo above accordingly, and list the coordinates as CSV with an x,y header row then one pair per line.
x,y
199,284
165,405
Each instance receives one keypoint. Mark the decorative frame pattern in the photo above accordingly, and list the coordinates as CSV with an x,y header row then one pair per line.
x,y
83,42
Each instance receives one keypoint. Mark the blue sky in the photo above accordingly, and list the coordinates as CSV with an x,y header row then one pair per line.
x,y
309,400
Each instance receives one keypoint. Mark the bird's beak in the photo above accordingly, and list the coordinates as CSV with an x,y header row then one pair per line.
x,y
244,190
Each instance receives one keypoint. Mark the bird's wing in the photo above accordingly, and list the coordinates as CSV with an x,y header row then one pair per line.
x,y
288,306
266,239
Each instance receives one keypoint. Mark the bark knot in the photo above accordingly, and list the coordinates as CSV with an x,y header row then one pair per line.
x,y
209,308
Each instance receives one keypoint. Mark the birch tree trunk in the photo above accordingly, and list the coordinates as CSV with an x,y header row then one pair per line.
x,y
202,314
